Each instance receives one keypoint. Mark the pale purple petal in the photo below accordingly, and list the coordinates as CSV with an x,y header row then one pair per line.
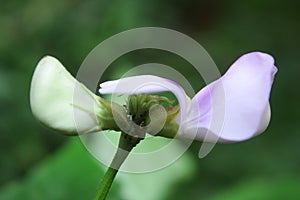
x,y
236,106
145,84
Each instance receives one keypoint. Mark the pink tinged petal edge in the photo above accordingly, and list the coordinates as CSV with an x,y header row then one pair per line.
x,y
236,106
146,84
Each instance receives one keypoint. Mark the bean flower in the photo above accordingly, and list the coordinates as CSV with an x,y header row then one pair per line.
x,y
231,109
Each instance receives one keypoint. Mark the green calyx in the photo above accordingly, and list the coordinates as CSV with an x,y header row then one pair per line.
x,y
171,127
137,111
105,115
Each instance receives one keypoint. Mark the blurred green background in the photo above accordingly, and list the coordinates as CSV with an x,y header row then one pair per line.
x,y
39,164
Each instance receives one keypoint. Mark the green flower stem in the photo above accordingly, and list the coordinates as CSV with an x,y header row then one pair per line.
x,y
126,144
106,183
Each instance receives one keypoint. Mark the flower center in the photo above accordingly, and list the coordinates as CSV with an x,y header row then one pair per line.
x,y
138,107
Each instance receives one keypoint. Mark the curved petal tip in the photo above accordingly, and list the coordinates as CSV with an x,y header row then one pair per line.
x,y
52,99
236,106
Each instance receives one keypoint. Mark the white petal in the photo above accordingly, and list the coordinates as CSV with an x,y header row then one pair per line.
x,y
235,107
51,99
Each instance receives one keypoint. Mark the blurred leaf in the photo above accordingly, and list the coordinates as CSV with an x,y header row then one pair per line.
x,y
73,174
69,174
263,189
